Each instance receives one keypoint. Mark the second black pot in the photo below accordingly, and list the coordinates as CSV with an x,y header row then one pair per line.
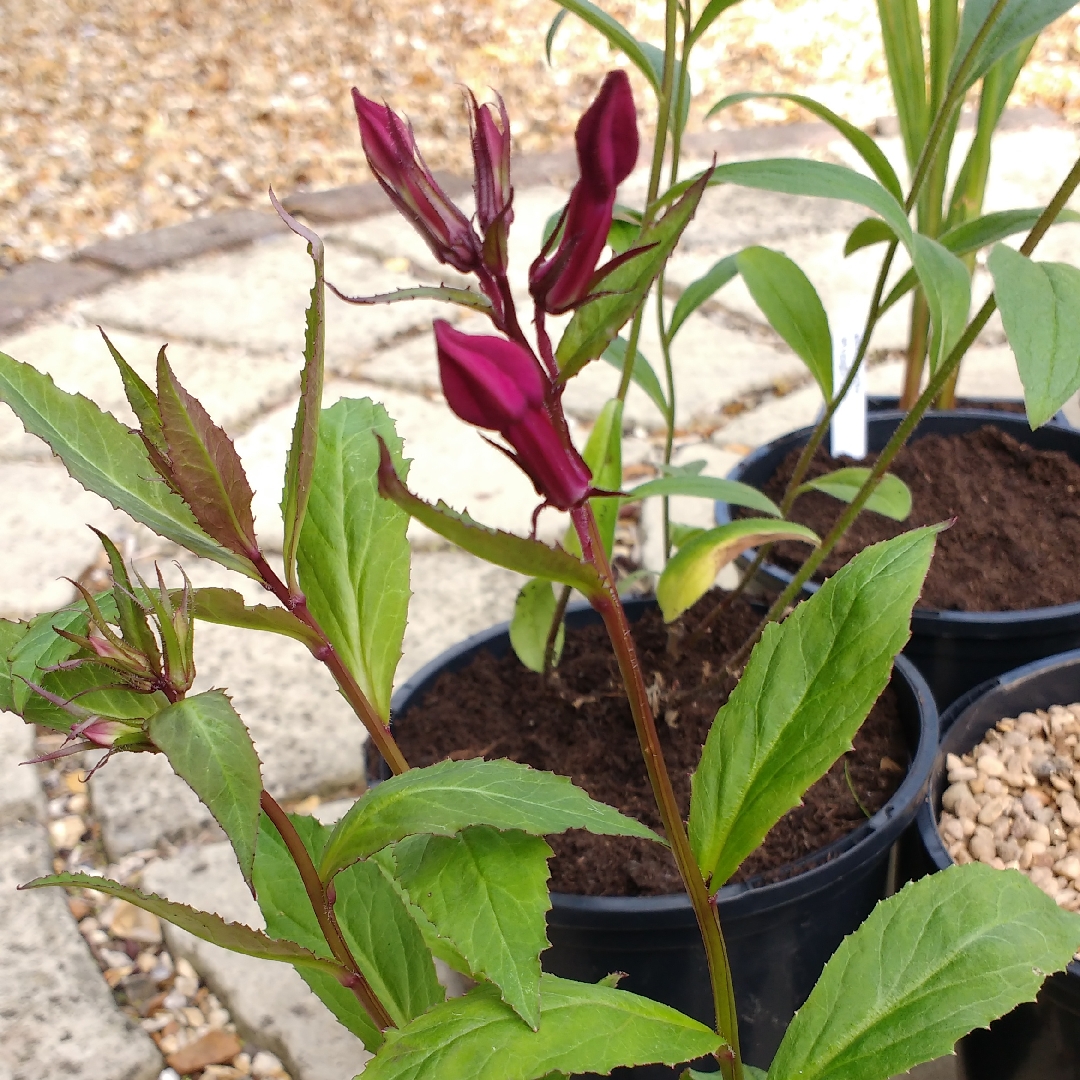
x,y
954,650
778,936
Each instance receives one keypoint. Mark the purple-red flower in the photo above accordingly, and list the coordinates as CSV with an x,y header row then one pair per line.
x,y
496,384
607,149
398,166
494,195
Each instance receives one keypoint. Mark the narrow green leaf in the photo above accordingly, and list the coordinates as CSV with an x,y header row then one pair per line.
x,y
1040,308
141,398
445,798
503,549
865,146
300,463
209,747
201,924
353,555
227,607
809,685
947,284
595,324
891,497
583,1029
11,633
690,573
443,294
553,29
643,374
534,611
697,292
134,625
791,304
487,892
681,535
705,487
982,231
106,458
616,34
901,34
709,14
868,232
945,955
603,455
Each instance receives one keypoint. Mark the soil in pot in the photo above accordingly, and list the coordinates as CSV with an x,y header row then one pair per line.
x,y
1017,512
578,724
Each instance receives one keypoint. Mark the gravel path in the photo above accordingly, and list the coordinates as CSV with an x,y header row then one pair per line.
x,y
119,118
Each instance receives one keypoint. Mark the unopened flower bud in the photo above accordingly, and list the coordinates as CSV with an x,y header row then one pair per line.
x,y
491,184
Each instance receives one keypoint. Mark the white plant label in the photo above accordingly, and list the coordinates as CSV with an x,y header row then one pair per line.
x,y
848,433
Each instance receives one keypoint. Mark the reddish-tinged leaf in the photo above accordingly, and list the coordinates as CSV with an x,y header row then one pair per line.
x,y
205,466
141,398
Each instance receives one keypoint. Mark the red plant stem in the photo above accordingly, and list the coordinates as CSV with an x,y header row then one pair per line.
x,y
325,651
611,610
324,912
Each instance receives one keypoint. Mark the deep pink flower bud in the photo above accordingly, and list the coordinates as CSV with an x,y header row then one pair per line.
x,y
494,195
607,149
398,166
496,384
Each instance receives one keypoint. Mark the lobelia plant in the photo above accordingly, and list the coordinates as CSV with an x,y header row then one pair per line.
x,y
449,861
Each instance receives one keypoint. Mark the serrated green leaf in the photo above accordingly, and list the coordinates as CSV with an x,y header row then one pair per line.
x,y
91,687
236,937
141,398
11,633
534,611
807,688
891,497
583,1029
445,798
869,231
131,618
691,572
486,891
518,553
102,455
595,324
865,146
945,955
227,607
42,647
353,555
705,487
697,292
1040,308
643,374
208,745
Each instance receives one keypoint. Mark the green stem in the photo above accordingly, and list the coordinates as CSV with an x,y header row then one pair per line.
x,y
622,642
553,630
669,434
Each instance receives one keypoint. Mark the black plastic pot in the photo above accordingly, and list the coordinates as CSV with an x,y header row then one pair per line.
x,y
779,936
1038,1040
876,403
954,650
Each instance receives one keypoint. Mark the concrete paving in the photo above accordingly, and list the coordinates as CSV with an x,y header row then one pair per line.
x,y
229,300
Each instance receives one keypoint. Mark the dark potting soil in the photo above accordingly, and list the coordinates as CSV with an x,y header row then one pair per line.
x,y
1017,513
579,725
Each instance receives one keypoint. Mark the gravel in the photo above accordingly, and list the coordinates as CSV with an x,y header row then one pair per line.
x,y
124,117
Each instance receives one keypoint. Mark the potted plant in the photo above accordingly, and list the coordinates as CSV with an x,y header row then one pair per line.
x,y
450,859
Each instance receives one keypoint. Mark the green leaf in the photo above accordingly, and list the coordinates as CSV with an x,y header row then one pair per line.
x,y
616,34
709,14
1020,19
42,647
209,747
869,231
443,294
487,892
205,466
131,617
945,955
643,373
93,688
891,497
141,397
595,324
697,292
901,34
690,573
517,553
683,534
1040,308
445,798
201,924
583,1029
227,607
947,284
534,611
300,463
353,555
705,487
809,685
603,455
865,146
11,633
553,29
106,458
982,231
791,304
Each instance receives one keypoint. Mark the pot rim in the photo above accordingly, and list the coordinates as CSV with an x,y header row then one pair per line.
x,y
845,857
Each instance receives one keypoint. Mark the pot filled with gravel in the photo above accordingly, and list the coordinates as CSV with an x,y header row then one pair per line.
x,y
1005,791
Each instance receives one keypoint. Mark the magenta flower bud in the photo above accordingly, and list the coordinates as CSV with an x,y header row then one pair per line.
x,y
496,384
396,163
101,731
491,170
607,149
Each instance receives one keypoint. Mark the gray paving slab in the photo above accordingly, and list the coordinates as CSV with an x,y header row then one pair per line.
x,y
38,285
21,797
57,1016
269,1002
